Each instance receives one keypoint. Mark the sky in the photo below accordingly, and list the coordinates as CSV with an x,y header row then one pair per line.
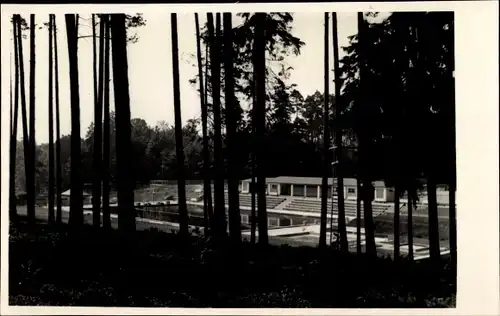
x,y
150,67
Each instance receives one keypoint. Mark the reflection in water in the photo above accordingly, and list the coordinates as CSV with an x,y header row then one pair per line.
x,y
169,213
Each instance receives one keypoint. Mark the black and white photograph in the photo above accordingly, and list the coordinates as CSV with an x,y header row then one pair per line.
x,y
247,157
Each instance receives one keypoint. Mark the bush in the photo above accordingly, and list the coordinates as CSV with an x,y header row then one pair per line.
x,y
53,266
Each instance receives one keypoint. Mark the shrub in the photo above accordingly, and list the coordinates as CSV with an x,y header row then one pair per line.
x,y
51,266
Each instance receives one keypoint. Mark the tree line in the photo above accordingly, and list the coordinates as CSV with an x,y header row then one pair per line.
x,y
391,117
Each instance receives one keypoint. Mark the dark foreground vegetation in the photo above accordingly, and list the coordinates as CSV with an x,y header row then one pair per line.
x,y
53,265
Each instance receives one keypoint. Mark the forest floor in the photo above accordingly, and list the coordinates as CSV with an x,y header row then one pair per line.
x,y
52,265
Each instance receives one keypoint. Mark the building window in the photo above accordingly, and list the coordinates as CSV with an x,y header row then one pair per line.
x,y
285,222
379,193
245,186
351,190
244,219
273,221
274,187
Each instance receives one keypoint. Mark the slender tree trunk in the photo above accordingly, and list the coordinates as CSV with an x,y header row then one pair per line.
x,y
260,120
410,224
95,175
396,221
253,223
219,226
210,209
358,215
58,128
11,96
32,151
181,188
207,191
51,128
453,187
435,253
364,144
231,130
13,131
124,181
76,195
106,145
97,159
326,143
338,138
26,140
453,220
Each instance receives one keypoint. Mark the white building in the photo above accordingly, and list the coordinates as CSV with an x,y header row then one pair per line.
x,y
309,187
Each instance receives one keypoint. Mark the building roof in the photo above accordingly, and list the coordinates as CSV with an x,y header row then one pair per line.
x,y
314,181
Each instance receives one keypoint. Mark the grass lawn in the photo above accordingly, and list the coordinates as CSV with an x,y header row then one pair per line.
x,y
53,266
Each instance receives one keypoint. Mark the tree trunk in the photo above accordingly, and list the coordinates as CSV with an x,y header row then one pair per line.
x,y
124,181
219,207
26,141
253,223
338,138
453,186
260,117
13,131
51,129
326,143
210,209
396,221
410,224
58,128
364,144
76,195
207,191
106,145
358,215
434,251
32,150
453,216
97,150
181,188
231,130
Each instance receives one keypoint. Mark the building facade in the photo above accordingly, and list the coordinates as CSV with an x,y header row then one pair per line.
x,y
309,187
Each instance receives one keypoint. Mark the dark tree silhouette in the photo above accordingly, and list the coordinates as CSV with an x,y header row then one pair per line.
x,y
260,118
231,122
338,137
253,191
418,69
326,143
124,181
179,148
106,215
434,246
26,139
51,128
32,145
219,220
97,148
364,147
396,221
358,215
410,225
13,131
58,127
76,186
207,190
452,188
